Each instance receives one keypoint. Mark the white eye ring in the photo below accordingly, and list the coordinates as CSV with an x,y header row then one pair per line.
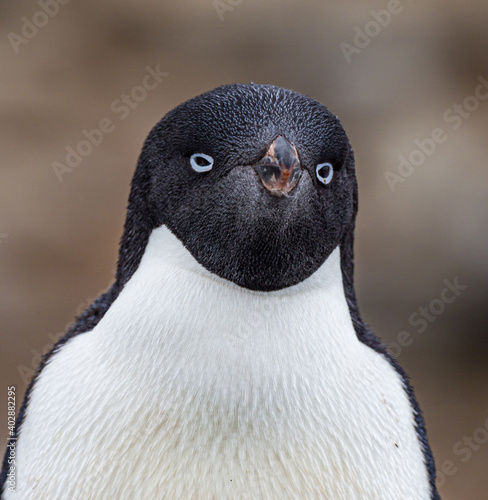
x,y
324,172
201,162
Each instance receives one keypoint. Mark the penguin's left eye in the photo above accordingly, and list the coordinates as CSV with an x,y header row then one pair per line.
x,y
324,172
201,162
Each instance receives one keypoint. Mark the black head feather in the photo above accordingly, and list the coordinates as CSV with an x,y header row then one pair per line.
x,y
226,218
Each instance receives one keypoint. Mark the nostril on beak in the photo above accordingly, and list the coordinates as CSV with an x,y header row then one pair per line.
x,y
280,168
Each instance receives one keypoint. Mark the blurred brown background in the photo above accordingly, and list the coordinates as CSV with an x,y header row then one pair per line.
x,y
58,240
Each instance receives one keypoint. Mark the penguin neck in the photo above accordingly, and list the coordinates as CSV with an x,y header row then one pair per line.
x,y
176,312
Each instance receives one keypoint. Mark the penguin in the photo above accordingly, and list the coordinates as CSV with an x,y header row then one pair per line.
x,y
229,358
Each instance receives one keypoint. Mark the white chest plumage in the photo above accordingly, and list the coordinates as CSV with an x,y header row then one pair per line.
x,y
191,387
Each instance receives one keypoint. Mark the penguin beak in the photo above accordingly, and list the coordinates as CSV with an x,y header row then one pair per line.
x,y
280,169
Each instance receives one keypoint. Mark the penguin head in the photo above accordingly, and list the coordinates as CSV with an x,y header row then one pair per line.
x,y
256,181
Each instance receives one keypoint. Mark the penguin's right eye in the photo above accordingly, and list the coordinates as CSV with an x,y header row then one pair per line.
x,y
201,162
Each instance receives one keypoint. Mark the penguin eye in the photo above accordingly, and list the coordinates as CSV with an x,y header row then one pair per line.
x,y
324,172
201,162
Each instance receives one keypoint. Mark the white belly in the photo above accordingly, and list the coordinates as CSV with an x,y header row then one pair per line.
x,y
191,387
